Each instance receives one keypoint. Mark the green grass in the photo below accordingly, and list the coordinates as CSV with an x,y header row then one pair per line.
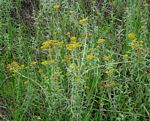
x,y
109,81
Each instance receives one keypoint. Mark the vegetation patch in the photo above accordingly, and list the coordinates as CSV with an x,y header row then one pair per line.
x,y
74,60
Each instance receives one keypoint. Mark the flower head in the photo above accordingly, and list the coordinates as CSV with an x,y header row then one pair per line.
x,y
46,62
90,35
109,71
90,57
100,41
51,43
108,58
67,33
67,58
83,21
14,66
73,38
132,36
33,63
146,5
56,7
137,45
73,45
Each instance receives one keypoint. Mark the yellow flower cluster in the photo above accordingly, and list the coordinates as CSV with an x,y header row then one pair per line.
x,y
108,58
146,5
73,39
90,57
67,58
73,45
46,62
56,7
67,33
83,21
109,71
33,63
14,67
50,43
100,41
136,44
56,72
132,36
88,34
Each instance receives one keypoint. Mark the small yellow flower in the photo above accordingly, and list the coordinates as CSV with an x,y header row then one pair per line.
x,y
132,36
146,5
136,44
15,67
142,42
98,47
90,57
51,43
108,58
73,46
90,35
47,44
83,21
44,62
56,7
109,71
22,66
73,38
67,58
67,33
33,63
48,62
87,34
56,72
100,41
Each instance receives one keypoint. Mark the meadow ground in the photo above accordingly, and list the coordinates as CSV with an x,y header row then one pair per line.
x,y
75,60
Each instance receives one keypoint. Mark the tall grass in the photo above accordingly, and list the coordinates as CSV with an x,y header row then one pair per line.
x,y
85,61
